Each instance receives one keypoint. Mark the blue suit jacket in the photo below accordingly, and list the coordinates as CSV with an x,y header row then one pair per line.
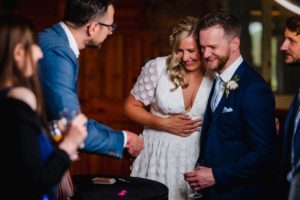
x,y
58,72
239,142
285,166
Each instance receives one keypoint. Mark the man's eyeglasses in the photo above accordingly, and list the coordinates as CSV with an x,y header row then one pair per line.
x,y
111,27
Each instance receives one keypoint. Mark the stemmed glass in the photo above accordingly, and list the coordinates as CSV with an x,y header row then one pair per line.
x,y
196,195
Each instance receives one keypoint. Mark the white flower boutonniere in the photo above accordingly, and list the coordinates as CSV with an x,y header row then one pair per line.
x,y
231,85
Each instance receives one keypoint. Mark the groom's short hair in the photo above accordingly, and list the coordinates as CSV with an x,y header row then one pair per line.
x,y
229,23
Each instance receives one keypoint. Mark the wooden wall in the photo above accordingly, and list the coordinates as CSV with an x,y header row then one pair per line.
x,y
106,77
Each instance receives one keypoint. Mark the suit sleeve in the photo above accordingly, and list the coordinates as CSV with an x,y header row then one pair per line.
x,y
58,74
258,117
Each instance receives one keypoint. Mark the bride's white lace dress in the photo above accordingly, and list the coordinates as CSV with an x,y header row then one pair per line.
x,y
166,157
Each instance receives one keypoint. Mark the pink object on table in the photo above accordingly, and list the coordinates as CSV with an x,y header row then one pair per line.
x,y
122,193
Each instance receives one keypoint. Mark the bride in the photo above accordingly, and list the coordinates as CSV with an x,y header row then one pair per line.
x,y
176,89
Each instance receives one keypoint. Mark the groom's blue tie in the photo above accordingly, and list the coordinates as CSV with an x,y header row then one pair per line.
x,y
218,92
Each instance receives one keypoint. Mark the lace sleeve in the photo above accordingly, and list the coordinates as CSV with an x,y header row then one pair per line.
x,y
145,85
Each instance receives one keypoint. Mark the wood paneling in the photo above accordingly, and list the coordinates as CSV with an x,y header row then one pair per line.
x,y
106,78
110,72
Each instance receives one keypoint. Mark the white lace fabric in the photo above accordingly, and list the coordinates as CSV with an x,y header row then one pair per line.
x,y
165,156
144,88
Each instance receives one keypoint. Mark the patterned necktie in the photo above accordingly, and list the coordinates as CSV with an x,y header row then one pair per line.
x,y
218,92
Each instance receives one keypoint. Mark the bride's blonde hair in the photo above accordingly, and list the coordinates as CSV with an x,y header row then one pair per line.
x,y
185,27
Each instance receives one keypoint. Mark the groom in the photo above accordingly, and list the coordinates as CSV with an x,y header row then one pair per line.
x,y
238,135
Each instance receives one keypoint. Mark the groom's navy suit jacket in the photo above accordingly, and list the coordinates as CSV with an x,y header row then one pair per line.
x,y
239,140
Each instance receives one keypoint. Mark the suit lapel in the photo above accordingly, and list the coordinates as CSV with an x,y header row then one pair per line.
x,y
296,143
288,126
225,98
298,127
297,109
207,115
60,31
287,138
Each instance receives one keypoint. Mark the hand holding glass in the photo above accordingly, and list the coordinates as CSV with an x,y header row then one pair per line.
x,y
74,135
56,127
196,195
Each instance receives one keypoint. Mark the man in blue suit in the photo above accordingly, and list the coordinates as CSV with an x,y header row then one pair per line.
x,y
238,142
87,23
291,138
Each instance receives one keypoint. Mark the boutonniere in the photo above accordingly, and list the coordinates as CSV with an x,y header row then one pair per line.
x,y
231,85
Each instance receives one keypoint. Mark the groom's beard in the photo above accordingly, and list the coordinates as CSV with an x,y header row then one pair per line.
x,y
220,63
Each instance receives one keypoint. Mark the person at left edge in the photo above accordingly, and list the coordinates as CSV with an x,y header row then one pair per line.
x,y
31,167
87,23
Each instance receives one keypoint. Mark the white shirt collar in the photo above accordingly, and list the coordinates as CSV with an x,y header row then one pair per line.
x,y
227,74
71,39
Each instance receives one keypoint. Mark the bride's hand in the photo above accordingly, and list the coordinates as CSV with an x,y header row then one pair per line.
x,y
181,125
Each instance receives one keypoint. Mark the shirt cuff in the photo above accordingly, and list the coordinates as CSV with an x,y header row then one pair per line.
x,y
125,138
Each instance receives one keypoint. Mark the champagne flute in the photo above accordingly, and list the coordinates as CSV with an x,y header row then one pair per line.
x,y
196,195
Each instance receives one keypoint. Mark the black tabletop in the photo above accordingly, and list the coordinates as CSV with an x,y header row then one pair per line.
x,y
125,188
